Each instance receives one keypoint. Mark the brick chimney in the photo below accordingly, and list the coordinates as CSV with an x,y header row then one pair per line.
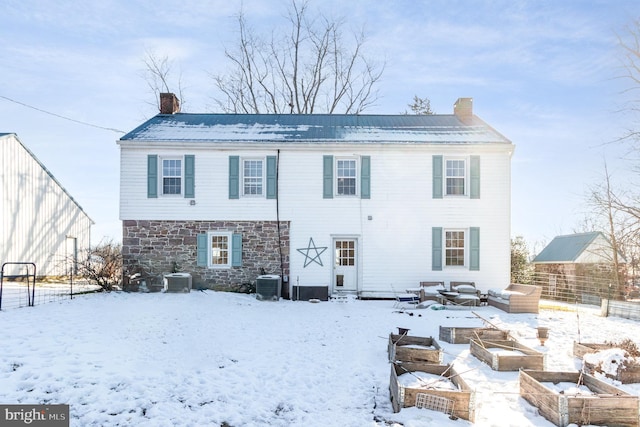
x,y
169,103
463,109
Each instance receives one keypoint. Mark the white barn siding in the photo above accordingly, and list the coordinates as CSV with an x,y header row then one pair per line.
x,y
599,251
40,220
394,245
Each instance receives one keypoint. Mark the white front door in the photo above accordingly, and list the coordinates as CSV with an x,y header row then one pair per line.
x,y
345,268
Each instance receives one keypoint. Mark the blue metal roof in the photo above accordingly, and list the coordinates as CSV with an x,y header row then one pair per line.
x,y
313,127
566,248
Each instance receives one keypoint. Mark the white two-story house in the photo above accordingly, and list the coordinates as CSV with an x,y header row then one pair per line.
x,y
369,204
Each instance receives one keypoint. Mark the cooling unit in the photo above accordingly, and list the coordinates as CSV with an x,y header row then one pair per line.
x,y
177,282
268,287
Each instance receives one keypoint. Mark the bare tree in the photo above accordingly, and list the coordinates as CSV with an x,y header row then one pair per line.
x,y
620,217
630,59
310,69
158,74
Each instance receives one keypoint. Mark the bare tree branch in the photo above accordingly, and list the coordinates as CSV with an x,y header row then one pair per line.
x,y
157,73
310,69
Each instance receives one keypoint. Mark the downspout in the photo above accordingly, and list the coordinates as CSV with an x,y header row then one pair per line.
x,y
278,215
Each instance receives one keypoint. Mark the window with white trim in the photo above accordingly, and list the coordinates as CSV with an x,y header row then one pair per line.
x,y
171,176
346,177
455,177
252,177
219,249
454,243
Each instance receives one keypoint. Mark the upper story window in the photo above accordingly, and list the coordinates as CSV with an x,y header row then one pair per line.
x,y
171,176
346,177
252,177
455,177
454,248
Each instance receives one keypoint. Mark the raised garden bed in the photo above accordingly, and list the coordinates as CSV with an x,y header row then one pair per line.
x,y
440,386
407,348
462,335
577,398
580,349
619,361
506,355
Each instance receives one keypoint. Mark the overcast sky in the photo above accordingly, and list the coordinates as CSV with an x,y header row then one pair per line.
x,y
543,73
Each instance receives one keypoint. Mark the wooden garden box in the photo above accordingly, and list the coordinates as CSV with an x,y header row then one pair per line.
x,y
406,348
608,405
462,335
580,349
625,374
462,400
527,358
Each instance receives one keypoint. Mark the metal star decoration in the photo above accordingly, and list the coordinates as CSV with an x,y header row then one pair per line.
x,y
308,253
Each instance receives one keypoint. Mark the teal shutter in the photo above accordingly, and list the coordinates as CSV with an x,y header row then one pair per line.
x,y
474,248
236,250
202,250
474,174
437,177
234,177
189,176
327,177
436,248
272,177
152,176
365,177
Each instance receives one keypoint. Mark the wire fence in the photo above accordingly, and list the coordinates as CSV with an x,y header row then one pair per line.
x,y
590,290
16,294
613,299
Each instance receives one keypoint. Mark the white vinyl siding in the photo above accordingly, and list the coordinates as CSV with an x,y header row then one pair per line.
x,y
400,210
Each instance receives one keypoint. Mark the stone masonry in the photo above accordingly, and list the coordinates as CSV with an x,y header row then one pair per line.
x,y
156,247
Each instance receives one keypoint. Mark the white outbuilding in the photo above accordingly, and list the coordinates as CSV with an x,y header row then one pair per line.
x,y
40,223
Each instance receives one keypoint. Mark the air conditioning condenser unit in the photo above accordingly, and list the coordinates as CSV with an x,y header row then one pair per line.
x,y
177,282
268,287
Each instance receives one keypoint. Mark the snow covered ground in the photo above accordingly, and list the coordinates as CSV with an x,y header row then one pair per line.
x,y
212,358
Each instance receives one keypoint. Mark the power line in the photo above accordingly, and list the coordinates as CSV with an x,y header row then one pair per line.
x,y
62,117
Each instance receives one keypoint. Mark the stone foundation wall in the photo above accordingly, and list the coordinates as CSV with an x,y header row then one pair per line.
x,y
156,247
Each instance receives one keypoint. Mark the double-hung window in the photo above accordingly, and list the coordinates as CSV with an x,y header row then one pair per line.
x,y
346,177
171,176
253,177
219,249
454,248
455,177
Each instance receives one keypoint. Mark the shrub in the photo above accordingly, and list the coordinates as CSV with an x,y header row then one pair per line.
x,y
103,265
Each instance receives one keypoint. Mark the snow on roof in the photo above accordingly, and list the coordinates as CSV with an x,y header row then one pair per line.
x,y
314,128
